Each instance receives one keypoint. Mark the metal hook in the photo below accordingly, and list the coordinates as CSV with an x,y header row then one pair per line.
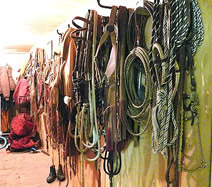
x,y
59,32
103,6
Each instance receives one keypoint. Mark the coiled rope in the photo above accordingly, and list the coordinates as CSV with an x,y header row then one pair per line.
x,y
163,113
138,109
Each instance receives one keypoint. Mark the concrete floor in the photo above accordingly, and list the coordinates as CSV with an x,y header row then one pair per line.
x,y
25,170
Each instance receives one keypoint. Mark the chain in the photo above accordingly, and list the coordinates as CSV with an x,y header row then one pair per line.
x,y
194,102
203,162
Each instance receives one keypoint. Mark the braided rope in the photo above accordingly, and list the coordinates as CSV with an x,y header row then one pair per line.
x,y
163,113
154,38
182,24
157,22
170,116
197,27
158,113
169,113
156,119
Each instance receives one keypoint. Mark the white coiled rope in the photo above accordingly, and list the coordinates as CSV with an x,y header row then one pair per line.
x,y
138,109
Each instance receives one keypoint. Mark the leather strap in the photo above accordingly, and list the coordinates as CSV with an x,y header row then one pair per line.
x,y
111,67
81,19
110,31
88,122
75,34
122,19
136,27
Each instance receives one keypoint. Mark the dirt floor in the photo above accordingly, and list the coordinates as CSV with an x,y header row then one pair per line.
x,y
25,170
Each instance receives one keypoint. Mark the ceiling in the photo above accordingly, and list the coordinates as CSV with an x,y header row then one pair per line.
x,y
25,23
